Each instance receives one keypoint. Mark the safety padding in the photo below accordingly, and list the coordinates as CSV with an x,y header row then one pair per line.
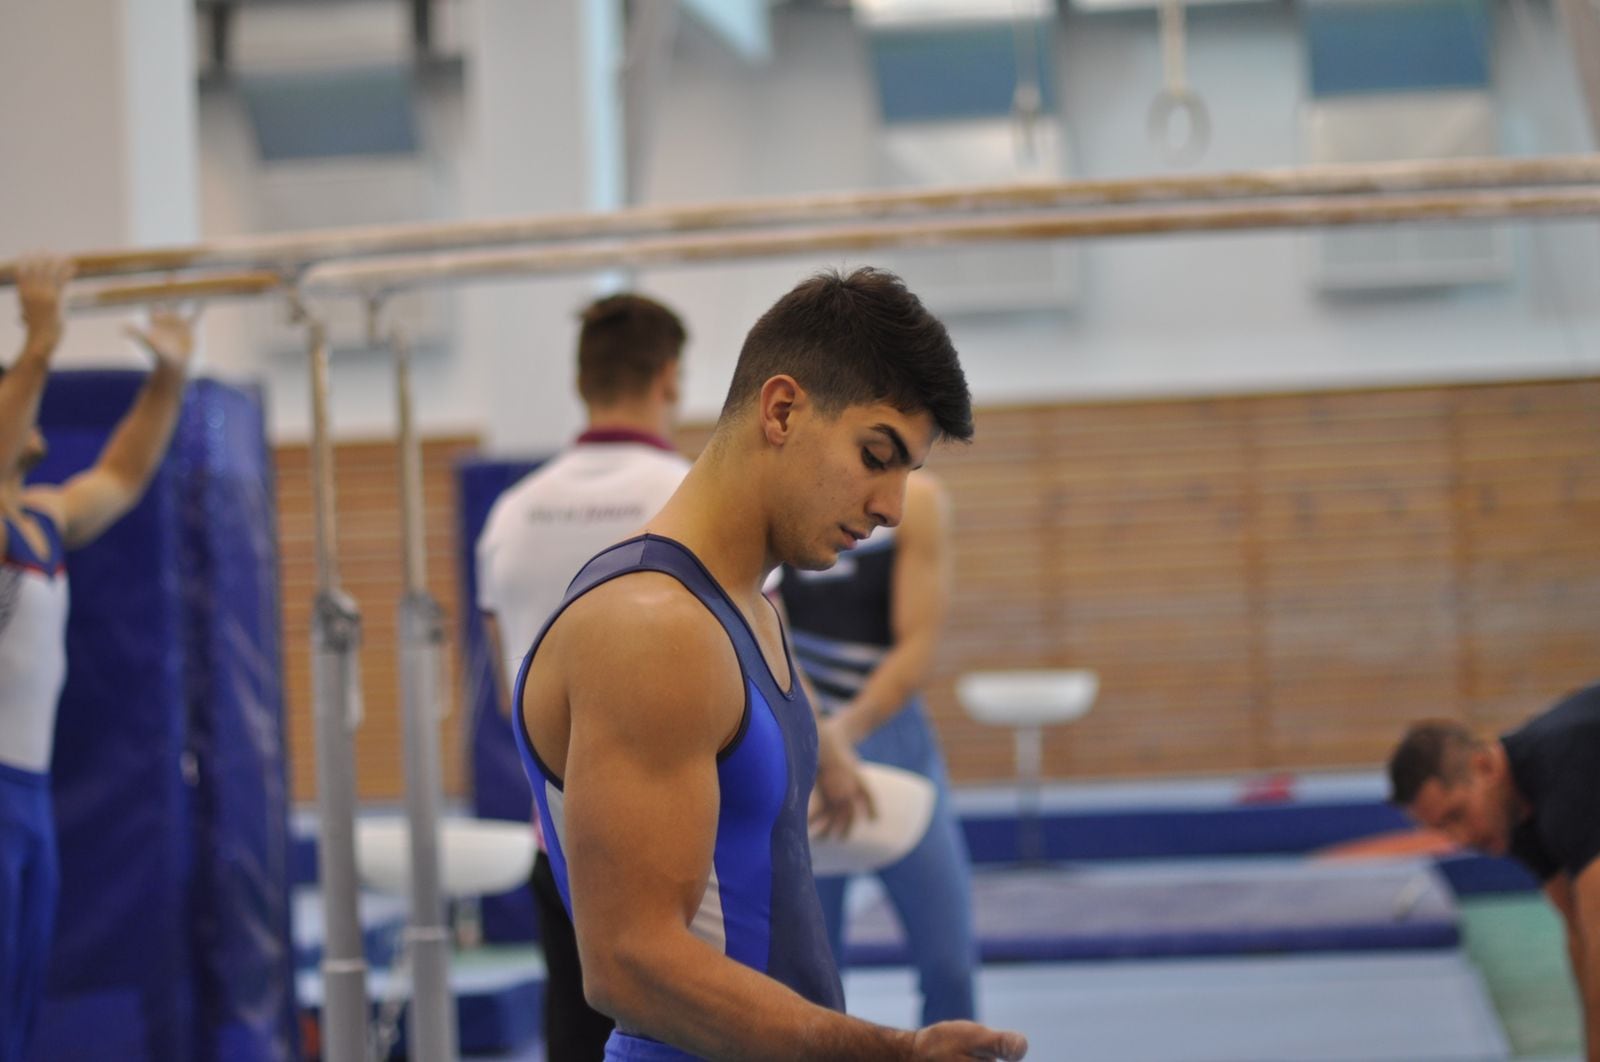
x,y
172,937
1172,910
499,1004
499,784
1164,832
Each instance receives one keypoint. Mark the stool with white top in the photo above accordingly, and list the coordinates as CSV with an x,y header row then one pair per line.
x,y
477,857
1028,700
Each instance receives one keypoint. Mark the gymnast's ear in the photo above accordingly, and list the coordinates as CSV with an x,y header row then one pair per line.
x,y
781,403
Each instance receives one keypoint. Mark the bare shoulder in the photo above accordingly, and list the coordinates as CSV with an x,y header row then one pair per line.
x,y
927,502
643,651
641,614
925,482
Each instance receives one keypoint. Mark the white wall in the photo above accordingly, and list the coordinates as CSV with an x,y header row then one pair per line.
x,y
97,142
1156,315
1153,315
240,195
509,139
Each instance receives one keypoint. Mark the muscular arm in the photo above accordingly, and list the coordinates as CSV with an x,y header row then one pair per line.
x,y
654,692
1583,943
920,599
98,497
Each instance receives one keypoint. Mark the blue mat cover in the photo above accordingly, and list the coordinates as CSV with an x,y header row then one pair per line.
x,y
1041,915
1163,832
497,1010
172,937
501,1017
499,784
1475,875
1288,828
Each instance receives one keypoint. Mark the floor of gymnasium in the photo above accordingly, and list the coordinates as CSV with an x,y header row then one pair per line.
x,y
1505,995
1502,992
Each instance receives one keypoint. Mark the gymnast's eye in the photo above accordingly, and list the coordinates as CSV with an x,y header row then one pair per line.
x,y
871,461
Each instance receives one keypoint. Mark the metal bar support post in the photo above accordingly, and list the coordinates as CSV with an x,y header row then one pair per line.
x,y
336,692
431,1022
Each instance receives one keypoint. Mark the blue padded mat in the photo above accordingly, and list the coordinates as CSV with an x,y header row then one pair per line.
x,y
1197,832
1187,909
499,786
169,775
499,1005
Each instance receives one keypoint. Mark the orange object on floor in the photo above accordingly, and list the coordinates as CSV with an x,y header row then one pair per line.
x,y
1268,789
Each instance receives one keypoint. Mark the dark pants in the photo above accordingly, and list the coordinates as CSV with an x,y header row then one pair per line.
x,y
573,1030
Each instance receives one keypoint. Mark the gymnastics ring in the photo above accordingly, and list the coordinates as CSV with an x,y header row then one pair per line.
x,y
1169,104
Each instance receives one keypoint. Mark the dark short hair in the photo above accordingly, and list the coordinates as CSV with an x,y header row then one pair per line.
x,y
1430,750
623,343
856,340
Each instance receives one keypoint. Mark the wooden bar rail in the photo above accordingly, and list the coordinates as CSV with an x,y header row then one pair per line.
x,y
290,253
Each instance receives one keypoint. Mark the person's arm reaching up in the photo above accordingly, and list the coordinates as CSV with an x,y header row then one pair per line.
x,y
99,496
40,283
920,598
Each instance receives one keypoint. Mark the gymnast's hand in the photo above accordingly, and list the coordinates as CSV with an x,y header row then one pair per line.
x,y
169,338
840,794
966,1040
41,279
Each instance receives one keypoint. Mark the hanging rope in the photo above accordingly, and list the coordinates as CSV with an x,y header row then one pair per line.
x,y
1179,123
1027,99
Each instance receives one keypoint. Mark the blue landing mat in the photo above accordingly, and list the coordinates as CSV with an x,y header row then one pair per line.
x,y
1187,909
172,939
499,1004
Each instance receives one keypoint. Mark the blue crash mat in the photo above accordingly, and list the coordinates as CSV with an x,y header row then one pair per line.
x,y
499,999
1187,909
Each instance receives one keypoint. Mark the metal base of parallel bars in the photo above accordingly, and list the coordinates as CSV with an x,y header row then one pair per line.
x,y
431,1023
336,683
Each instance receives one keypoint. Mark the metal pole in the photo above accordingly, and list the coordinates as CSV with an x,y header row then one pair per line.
x,y
1030,768
431,1022
1580,24
336,692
